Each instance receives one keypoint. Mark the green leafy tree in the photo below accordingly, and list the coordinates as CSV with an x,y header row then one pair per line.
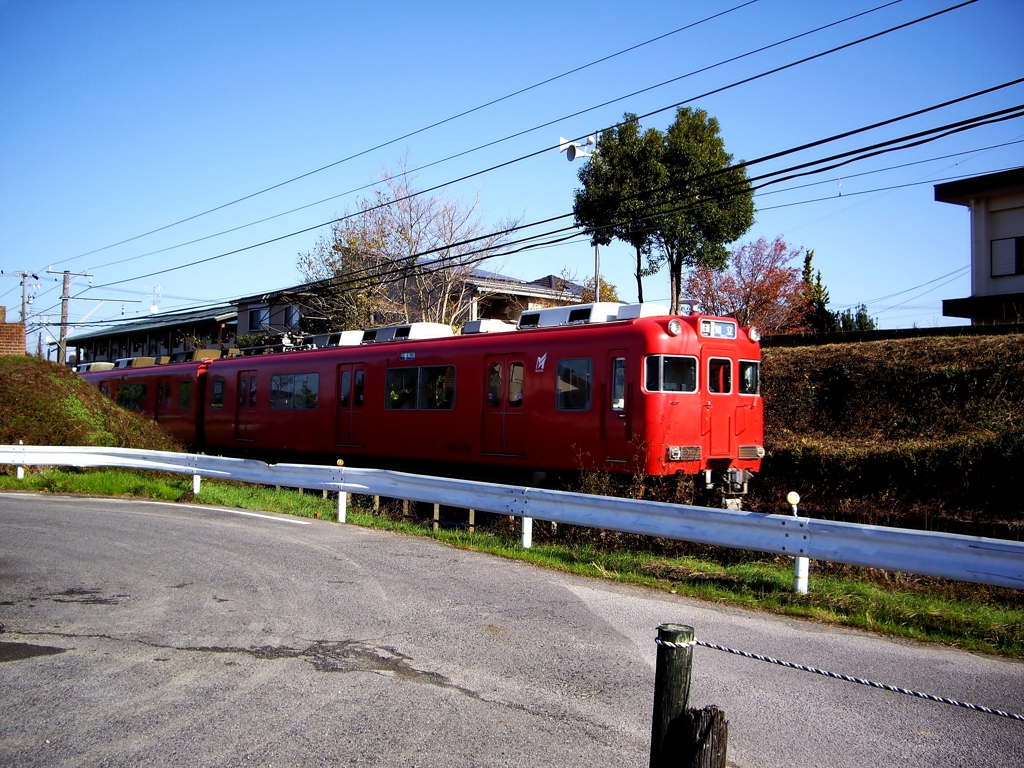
x,y
674,196
856,319
819,318
617,182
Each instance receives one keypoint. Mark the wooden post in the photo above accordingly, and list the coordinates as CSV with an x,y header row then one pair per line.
x,y
472,520
671,692
705,736
681,737
437,516
376,504
325,493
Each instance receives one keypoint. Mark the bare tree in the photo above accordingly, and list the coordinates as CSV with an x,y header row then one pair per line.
x,y
406,257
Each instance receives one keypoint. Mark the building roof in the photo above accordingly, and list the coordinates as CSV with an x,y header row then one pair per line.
x,y
963,191
217,313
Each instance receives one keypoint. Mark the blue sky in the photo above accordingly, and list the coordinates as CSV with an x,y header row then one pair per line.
x,y
117,118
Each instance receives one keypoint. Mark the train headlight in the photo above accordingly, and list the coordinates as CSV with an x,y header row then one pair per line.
x,y
755,335
675,327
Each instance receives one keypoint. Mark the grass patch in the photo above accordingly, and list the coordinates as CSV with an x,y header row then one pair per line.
x,y
967,616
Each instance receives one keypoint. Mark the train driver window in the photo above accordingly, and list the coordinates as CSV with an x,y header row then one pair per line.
x,y
359,389
720,375
619,384
665,373
346,386
573,384
750,383
185,395
494,385
515,385
217,392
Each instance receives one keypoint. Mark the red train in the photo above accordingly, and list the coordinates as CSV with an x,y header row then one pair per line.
x,y
606,387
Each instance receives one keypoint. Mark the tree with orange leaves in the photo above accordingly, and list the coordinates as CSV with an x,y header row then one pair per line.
x,y
758,287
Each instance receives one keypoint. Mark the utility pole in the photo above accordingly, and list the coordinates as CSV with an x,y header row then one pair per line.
x,y
24,298
65,297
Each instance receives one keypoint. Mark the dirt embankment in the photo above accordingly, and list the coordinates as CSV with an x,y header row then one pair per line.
x,y
924,433
43,403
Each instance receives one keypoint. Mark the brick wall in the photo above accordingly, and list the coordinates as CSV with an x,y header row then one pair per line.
x,y
12,336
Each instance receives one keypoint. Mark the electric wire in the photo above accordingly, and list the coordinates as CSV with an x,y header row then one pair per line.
x,y
477,148
743,164
427,127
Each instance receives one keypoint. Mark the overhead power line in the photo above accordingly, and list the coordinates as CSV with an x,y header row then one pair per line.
x,y
426,128
479,147
744,164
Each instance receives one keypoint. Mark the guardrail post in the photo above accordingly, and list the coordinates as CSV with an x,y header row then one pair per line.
x,y
802,565
20,471
527,532
437,516
195,485
681,737
342,506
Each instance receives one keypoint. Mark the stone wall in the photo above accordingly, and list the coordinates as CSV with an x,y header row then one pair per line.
x,y
12,336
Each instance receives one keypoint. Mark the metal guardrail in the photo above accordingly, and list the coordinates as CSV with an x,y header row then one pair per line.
x,y
996,562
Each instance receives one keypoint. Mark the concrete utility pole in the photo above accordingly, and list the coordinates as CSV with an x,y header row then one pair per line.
x,y
65,297
24,299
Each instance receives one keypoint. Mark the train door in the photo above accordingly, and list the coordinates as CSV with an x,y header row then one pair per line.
x,y
718,390
348,419
163,398
615,410
503,422
245,414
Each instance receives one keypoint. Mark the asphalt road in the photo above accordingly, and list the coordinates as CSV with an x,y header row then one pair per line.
x,y
137,633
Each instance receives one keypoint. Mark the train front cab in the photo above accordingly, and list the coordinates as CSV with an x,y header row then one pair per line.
x,y
700,407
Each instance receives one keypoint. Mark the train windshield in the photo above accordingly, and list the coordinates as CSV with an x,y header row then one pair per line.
x,y
669,373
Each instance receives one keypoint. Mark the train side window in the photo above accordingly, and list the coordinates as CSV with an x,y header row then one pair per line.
x,y
299,391
494,385
750,380
217,392
346,389
132,396
667,373
720,375
105,388
359,389
243,388
252,392
515,385
619,384
185,395
167,395
572,384
437,388
400,389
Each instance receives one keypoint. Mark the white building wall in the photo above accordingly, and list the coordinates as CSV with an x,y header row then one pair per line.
x,y
994,219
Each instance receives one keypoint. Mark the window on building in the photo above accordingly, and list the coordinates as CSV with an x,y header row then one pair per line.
x,y
572,385
259,319
291,317
1008,257
294,391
